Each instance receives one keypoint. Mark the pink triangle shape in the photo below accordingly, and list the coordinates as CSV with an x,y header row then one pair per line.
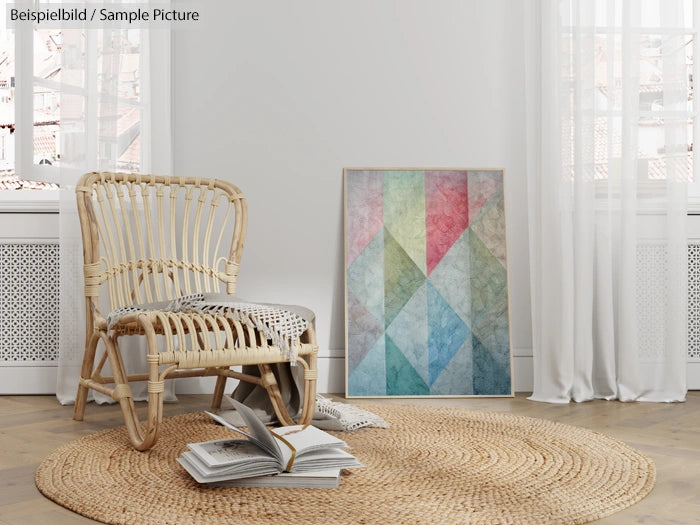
x,y
446,212
482,187
364,210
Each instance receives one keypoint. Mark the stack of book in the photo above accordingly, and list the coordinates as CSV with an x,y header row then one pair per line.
x,y
293,456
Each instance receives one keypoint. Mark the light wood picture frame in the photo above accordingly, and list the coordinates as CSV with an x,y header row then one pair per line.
x,y
426,283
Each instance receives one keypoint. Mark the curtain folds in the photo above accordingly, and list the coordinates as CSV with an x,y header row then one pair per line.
x,y
609,123
115,115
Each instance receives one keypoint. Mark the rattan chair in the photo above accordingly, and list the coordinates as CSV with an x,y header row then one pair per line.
x,y
151,239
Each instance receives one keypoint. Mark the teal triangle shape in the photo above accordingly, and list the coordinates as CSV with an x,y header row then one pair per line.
x,y
490,377
491,327
409,331
401,378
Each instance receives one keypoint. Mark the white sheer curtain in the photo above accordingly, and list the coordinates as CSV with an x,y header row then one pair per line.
x,y
115,115
609,132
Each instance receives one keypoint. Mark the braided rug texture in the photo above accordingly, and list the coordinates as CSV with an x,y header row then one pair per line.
x,y
434,465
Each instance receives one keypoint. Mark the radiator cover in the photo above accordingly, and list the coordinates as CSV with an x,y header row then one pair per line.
x,y
29,303
694,302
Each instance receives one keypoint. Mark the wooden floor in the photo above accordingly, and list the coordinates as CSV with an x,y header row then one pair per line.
x,y
32,426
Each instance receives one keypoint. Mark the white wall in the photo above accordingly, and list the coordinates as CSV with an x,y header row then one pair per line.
x,y
279,96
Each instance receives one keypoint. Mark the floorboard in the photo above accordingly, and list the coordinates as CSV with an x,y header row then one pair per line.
x,y
32,426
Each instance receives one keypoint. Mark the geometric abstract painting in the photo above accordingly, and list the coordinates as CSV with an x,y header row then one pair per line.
x,y
426,283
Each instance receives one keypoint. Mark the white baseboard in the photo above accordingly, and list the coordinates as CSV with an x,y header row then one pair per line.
x,y
24,380
693,375
522,373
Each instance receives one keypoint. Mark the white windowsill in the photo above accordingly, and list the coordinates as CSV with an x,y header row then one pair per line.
x,y
694,205
28,201
47,201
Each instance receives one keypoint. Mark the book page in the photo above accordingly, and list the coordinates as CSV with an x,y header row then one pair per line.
x,y
228,425
256,428
228,452
304,439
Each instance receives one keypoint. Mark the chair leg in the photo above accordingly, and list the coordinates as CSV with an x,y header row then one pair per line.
x,y
142,437
85,373
218,392
310,382
310,379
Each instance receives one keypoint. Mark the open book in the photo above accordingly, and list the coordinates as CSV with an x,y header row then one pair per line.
x,y
293,449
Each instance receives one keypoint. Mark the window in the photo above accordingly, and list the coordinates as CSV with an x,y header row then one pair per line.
x,y
658,59
46,92
29,119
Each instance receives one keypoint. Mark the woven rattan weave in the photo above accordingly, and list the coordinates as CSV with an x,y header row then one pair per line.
x,y
151,239
434,465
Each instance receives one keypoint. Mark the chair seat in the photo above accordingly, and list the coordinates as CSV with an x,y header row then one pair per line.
x,y
223,357
207,355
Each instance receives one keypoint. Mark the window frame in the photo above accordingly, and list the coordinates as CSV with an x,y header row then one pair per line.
x,y
25,200
694,185
24,110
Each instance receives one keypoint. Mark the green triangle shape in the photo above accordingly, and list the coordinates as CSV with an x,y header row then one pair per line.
x,y
488,279
490,227
401,278
404,211
401,378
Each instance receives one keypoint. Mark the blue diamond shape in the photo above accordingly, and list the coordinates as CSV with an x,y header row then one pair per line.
x,y
446,333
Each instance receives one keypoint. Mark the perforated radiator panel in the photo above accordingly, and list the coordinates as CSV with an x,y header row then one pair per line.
x,y
29,303
694,301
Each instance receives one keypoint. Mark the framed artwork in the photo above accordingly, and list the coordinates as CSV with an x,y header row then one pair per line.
x,y
426,283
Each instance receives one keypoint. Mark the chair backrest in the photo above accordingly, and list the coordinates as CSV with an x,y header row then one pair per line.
x,y
153,238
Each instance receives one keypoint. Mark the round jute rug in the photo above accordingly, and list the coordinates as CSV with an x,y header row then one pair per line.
x,y
434,465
